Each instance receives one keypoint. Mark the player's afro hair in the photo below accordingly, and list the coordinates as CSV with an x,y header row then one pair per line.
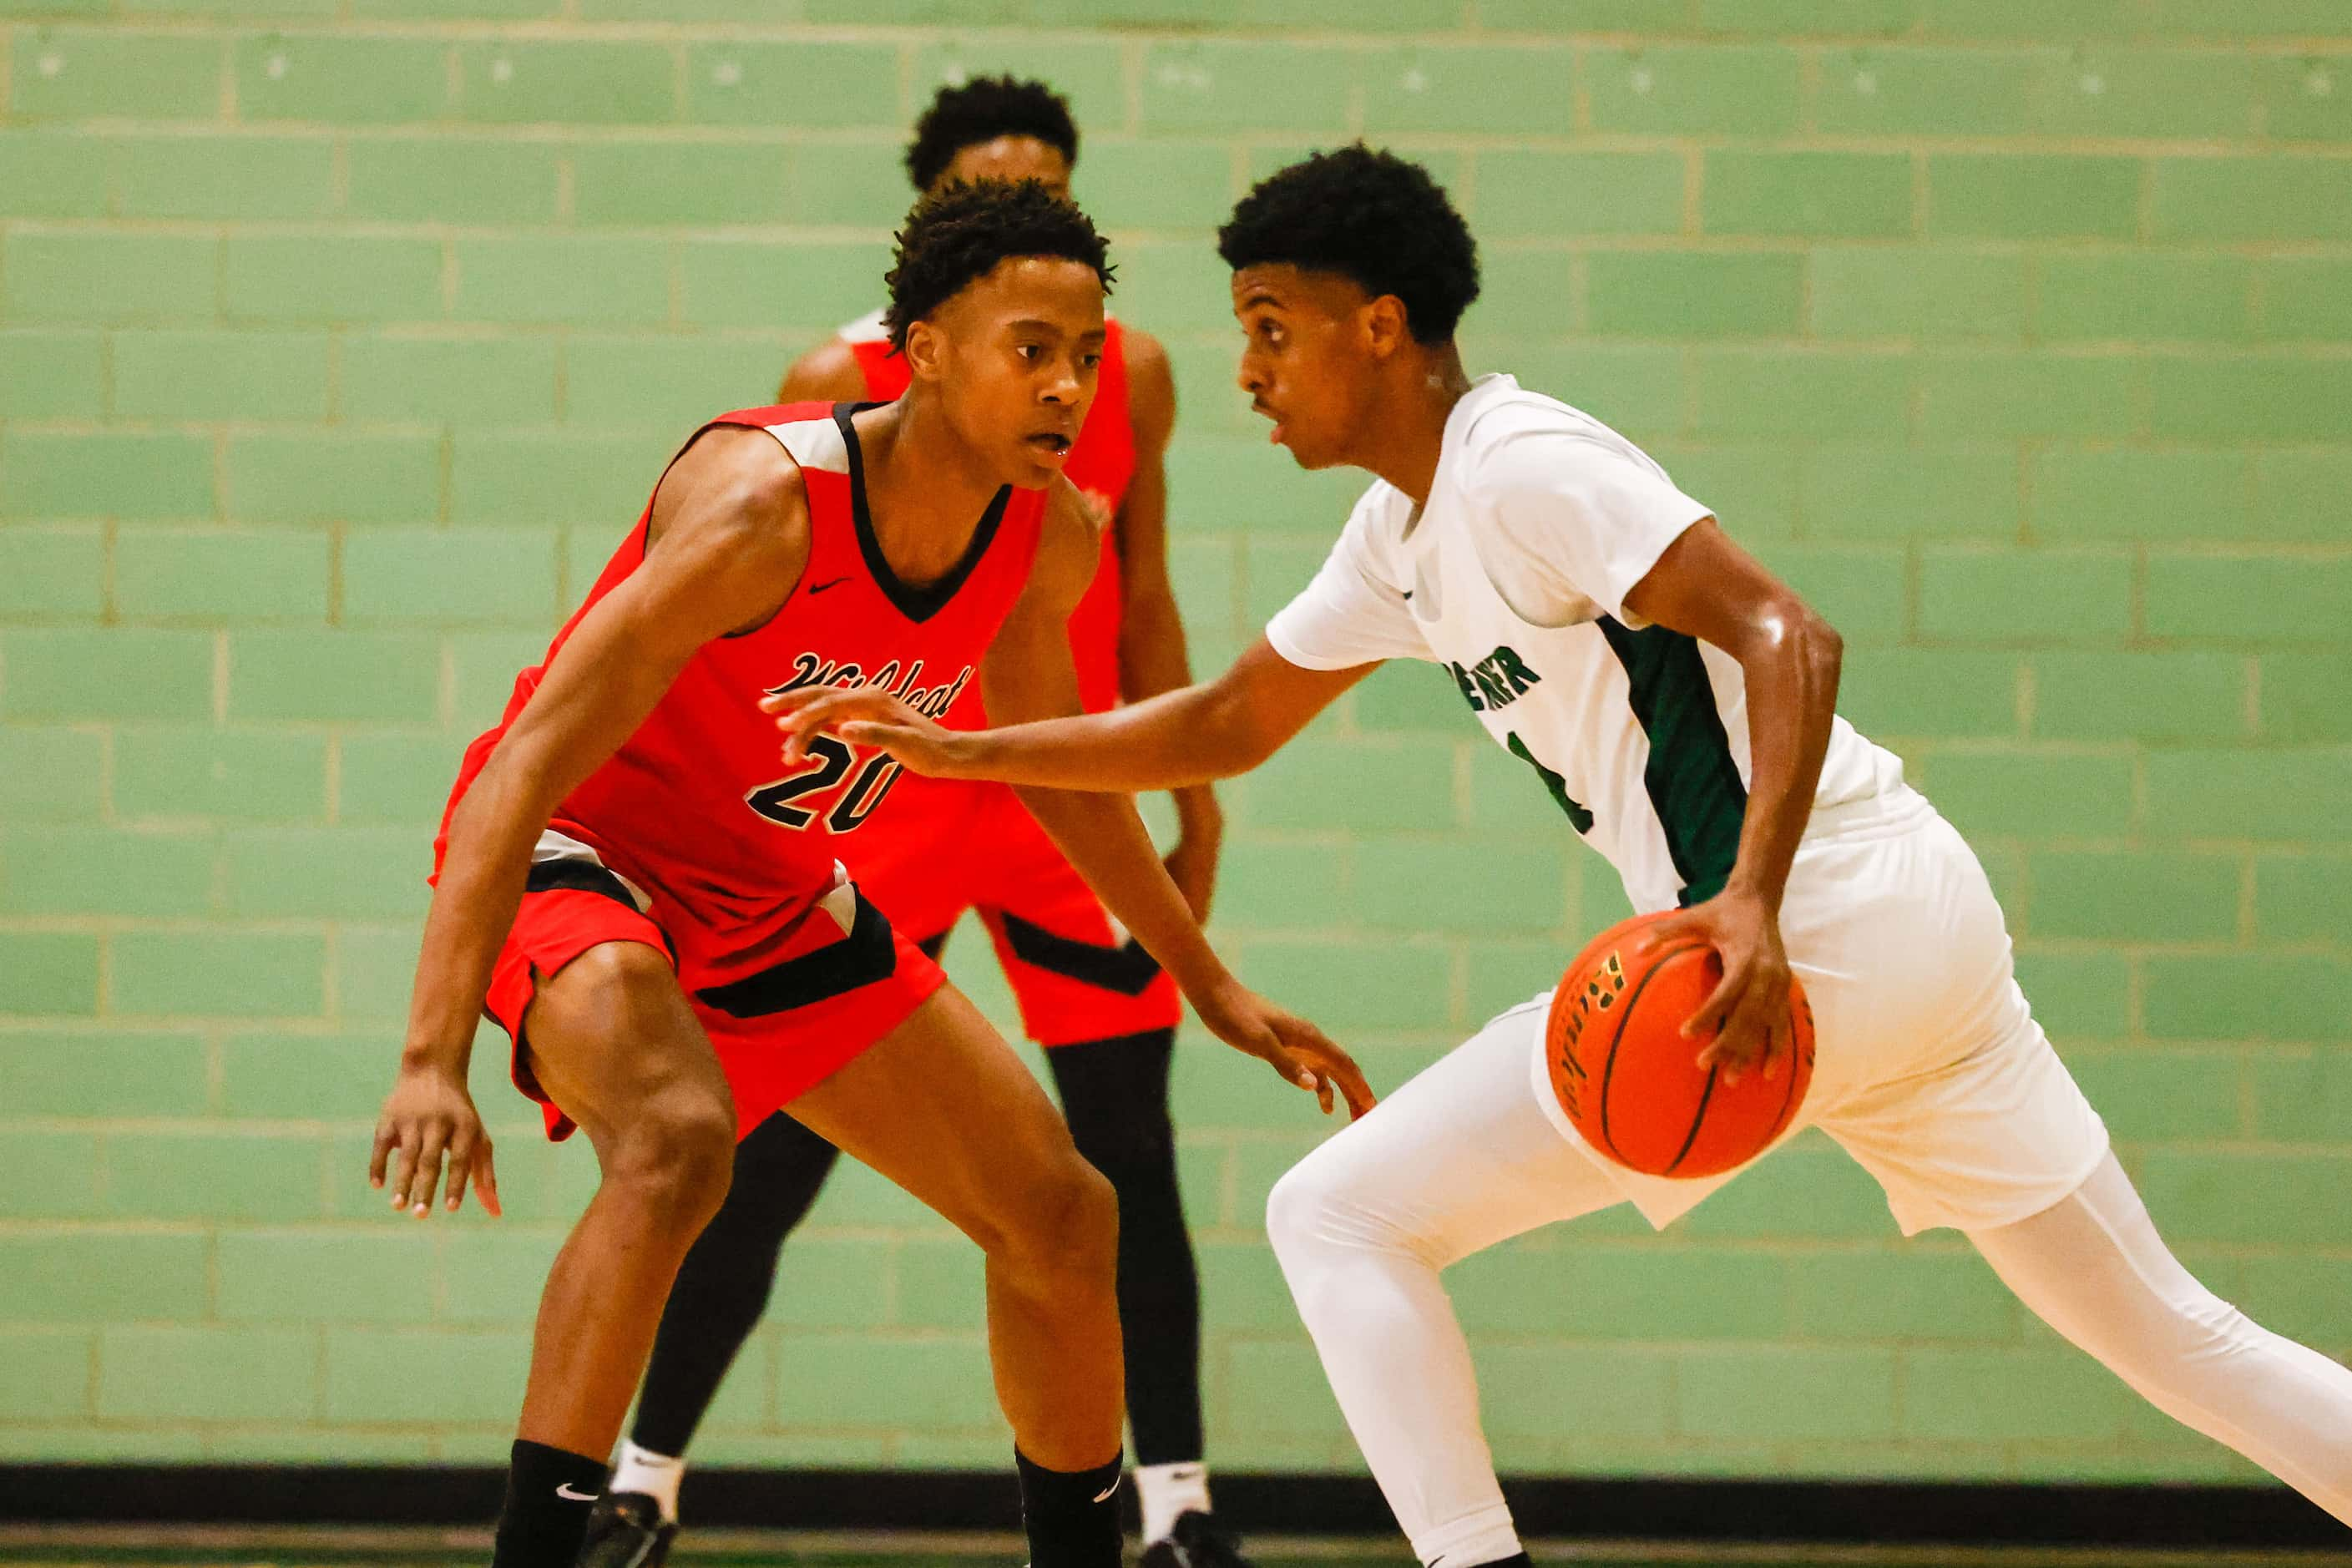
x,y
981,110
1371,216
958,235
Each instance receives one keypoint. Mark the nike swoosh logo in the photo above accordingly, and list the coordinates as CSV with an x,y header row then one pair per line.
x,y
564,1489
1104,1495
1408,594
821,587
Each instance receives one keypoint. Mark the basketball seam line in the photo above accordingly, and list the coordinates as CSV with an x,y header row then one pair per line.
x,y
1698,1120
1789,1095
1609,1068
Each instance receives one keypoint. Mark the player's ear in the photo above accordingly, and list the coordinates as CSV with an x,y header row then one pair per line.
x,y
923,350
1384,325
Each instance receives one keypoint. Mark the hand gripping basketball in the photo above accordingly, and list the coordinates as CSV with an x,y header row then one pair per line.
x,y
1635,1086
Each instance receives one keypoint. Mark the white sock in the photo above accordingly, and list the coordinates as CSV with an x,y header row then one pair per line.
x,y
1168,1492
655,1475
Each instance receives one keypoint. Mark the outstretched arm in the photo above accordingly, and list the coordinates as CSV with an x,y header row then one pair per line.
x,y
730,539
1335,632
1212,731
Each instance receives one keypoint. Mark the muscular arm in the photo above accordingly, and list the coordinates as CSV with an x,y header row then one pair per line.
x,y
730,539
1212,730
828,373
1152,653
1708,587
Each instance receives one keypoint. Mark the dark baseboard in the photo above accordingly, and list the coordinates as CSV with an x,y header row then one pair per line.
x,y
1827,1512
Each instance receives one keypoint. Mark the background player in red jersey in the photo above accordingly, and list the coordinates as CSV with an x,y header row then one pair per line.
x,y
654,908
1088,993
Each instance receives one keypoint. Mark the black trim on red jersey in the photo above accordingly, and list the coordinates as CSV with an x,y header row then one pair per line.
x,y
583,876
915,602
1126,969
867,955
574,874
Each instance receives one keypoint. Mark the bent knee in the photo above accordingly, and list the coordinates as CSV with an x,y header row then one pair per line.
x,y
1080,1222
1066,1227
1297,1209
1316,1208
676,1154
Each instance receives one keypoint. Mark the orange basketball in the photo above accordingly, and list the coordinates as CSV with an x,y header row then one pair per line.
x,y
1632,1083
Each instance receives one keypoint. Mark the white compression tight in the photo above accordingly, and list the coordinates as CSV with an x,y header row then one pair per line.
x,y
1462,1158
2094,1268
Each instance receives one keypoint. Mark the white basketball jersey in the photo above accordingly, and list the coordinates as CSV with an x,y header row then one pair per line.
x,y
1512,576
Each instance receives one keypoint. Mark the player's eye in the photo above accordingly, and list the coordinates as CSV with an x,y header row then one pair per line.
x,y
1028,350
1091,361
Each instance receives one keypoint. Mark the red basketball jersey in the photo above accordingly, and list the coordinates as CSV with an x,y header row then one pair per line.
x,y
696,810
1101,464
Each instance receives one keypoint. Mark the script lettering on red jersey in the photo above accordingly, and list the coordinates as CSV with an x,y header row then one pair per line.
x,y
930,701
833,760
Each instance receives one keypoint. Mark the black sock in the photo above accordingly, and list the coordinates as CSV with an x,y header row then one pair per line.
x,y
1072,1516
549,1493
1516,1560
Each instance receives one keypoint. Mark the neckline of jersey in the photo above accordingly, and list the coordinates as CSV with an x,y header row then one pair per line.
x,y
917,601
1459,420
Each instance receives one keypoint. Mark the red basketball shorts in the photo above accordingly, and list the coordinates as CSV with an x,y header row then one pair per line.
x,y
840,980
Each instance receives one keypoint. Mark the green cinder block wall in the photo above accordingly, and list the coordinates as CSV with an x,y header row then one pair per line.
x,y
341,339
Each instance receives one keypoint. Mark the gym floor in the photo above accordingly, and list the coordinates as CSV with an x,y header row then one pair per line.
x,y
69,1547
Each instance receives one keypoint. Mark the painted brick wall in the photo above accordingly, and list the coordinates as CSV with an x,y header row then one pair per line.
x,y
338,340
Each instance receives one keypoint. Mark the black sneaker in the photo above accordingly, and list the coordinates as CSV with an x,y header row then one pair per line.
x,y
626,1529
1197,1541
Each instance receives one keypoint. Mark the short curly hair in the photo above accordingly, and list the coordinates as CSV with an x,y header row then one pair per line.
x,y
966,114
956,237
1371,216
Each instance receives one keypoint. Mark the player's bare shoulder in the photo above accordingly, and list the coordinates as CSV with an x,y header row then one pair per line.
x,y
828,373
733,515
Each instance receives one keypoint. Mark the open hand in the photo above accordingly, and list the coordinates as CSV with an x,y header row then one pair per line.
x,y
862,716
1749,1011
427,1116
1296,1048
